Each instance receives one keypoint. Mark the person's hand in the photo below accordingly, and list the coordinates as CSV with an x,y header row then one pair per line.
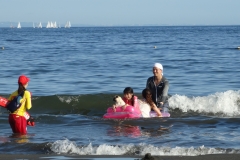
x,y
160,104
124,107
114,108
160,115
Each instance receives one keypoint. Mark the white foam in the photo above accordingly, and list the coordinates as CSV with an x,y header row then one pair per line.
x,y
182,151
67,146
68,99
226,103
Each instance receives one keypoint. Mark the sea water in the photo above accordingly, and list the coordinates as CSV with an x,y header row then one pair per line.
x,y
75,72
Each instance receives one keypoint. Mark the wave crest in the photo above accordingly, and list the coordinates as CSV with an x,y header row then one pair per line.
x,y
226,103
69,147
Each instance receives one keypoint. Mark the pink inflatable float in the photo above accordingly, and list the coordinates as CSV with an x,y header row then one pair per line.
x,y
129,112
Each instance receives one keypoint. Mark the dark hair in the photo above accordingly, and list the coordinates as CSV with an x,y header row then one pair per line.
x,y
147,94
129,90
21,88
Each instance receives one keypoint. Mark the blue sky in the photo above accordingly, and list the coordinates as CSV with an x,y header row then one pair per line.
x,y
123,12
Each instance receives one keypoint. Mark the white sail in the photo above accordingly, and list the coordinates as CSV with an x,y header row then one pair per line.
x,y
33,25
19,25
68,24
51,24
48,25
40,25
55,25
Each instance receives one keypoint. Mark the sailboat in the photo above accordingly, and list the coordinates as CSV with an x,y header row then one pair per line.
x,y
40,25
68,24
33,25
48,25
51,24
55,25
19,25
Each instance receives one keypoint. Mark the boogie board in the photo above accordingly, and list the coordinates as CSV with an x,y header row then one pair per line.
x,y
29,119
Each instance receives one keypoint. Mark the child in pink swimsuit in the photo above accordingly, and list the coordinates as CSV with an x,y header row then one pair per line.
x,y
130,99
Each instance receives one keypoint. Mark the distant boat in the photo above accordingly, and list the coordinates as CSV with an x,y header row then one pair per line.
x,y
40,25
48,25
55,25
33,25
51,25
19,25
68,24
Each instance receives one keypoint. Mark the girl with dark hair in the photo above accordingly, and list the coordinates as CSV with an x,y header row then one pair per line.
x,y
129,99
147,95
16,118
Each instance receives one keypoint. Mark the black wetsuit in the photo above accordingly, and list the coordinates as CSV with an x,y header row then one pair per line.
x,y
159,93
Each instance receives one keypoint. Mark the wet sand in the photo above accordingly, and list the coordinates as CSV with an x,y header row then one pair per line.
x,y
117,157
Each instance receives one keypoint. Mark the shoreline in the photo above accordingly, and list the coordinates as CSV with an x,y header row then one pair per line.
x,y
118,157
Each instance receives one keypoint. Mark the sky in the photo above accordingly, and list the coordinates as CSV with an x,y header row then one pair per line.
x,y
122,12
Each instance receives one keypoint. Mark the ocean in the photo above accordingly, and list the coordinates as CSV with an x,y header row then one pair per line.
x,y
75,72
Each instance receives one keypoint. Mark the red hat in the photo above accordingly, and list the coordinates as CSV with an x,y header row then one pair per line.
x,y
23,79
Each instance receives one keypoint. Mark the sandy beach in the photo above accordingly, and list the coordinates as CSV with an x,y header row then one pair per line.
x,y
117,157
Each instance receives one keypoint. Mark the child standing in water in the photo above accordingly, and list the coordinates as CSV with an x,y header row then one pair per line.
x,y
130,99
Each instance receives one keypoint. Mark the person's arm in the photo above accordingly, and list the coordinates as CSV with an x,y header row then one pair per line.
x,y
162,97
135,99
157,110
165,91
114,108
14,94
124,106
28,103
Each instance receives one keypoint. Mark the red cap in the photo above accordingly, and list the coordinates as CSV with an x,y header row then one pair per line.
x,y
23,79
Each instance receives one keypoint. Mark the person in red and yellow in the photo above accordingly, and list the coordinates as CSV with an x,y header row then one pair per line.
x,y
16,119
